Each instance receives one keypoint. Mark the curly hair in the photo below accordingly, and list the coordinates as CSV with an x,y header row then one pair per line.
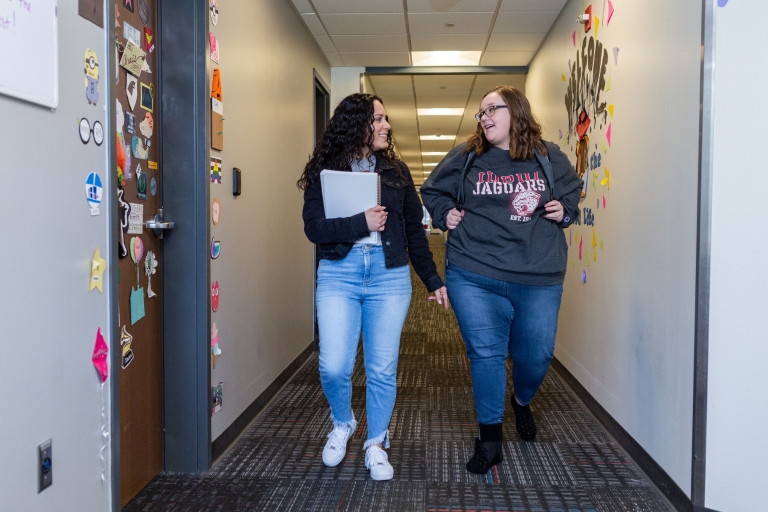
x,y
349,131
524,129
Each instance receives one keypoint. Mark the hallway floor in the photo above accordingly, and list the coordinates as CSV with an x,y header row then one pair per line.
x,y
276,465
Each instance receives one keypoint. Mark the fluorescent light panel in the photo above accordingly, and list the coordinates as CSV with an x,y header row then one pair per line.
x,y
443,58
440,111
438,137
430,164
434,153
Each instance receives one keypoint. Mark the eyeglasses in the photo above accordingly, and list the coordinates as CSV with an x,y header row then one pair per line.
x,y
488,112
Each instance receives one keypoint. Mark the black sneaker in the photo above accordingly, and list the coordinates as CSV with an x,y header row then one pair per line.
x,y
487,450
524,422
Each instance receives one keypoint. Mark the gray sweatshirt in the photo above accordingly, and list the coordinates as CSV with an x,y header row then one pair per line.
x,y
503,234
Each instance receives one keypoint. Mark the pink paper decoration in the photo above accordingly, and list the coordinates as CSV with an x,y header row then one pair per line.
x,y
214,334
99,358
573,36
610,12
581,243
608,134
603,201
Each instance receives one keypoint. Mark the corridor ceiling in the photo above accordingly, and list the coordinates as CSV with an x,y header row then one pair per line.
x,y
383,33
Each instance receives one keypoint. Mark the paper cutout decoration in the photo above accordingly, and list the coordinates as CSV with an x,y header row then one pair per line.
x,y
133,58
137,304
144,11
559,134
149,41
615,54
601,242
135,219
91,76
215,210
130,123
606,181
98,266
215,296
588,25
216,92
217,397
216,170
137,249
594,238
597,26
99,357
610,110
125,341
124,210
562,77
215,350
147,126
93,192
608,84
573,36
605,148
141,183
214,47
217,112
119,116
584,276
604,200
153,186
611,10
147,97
213,7
581,244
132,90
131,33
608,134
128,4
215,248
117,15
150,267
85,130
140,151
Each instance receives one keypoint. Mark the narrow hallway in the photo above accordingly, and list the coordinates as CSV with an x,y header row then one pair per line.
x,y
276,465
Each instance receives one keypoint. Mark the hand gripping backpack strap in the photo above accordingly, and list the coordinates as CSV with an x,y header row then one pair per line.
x,y
470,158
548,172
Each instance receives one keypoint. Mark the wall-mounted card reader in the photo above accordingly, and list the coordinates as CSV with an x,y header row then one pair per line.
x,y
45,466
236,181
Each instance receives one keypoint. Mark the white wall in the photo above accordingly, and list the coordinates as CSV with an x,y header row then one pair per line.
x,y
344,81
627,334
265,270
737,411
48,319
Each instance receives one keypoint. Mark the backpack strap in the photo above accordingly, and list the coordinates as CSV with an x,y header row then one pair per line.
x,y
548,172
470,158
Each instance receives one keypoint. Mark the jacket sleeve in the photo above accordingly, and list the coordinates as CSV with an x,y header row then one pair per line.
x,y
440,191
568,185
320,230
418,245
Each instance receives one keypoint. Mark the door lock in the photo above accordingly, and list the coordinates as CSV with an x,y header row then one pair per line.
x,y
158,225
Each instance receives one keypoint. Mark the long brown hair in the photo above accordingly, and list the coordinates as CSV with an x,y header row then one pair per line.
x,y
524,130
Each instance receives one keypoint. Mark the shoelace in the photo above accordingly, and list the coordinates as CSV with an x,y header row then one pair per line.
x,y
377,456
337,437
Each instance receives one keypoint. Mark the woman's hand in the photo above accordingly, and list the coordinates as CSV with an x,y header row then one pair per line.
x,y
441,296
376,217
453,218
554,211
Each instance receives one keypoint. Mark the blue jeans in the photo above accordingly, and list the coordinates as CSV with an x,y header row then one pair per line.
x,y
496,319
354,293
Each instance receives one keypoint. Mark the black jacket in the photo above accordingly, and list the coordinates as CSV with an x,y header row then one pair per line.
x,y
403,236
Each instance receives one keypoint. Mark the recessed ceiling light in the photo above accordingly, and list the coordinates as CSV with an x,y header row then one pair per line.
x,y
434,153
446,58
450,24
440,111
430,164
437,137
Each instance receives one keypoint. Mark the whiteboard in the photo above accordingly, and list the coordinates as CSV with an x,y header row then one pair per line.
x,y
29,51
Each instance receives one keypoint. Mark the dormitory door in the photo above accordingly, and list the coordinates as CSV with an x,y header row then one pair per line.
x,y
140,245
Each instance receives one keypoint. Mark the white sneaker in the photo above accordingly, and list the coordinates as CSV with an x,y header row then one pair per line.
x,y
336,447
377,462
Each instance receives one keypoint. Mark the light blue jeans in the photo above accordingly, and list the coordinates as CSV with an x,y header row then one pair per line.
x,y
359,292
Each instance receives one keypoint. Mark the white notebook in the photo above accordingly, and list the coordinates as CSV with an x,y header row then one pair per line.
x,y
348,193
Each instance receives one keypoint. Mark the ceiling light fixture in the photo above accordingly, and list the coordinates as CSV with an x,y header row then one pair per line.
x,y
434,153
437,137
442,58
430,164
440,111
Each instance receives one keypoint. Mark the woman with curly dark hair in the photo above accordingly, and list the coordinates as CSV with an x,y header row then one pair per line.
x,y
505,197
364,286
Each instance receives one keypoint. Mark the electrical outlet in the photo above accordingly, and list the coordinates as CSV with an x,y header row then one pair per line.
x,y
45,466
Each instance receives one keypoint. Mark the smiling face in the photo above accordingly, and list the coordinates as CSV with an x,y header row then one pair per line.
x,y
381,127
496,128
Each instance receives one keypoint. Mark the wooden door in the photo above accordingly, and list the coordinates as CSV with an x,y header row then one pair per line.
x,y
141,426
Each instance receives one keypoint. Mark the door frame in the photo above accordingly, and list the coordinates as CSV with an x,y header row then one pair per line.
x,y
318,84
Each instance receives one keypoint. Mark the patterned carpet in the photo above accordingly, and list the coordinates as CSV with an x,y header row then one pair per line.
x,y
572,466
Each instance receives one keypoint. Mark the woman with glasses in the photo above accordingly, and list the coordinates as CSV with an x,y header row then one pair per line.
x,y
504,197
364,286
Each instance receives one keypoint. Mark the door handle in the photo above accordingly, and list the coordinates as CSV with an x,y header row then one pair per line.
x,y
158,225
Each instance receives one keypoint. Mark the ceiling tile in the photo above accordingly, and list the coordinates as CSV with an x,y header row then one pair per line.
x,y
358,44
375,59
356,6
392,83
515,42
433,6
531,5
434,145
334,60
487,82
448,42
465,23
524,22
442,100
302,6
399,99
325,43
364,24
438,124
426,84
507,58
313,23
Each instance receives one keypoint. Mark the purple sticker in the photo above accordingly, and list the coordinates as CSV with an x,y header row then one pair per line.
x,y
584,276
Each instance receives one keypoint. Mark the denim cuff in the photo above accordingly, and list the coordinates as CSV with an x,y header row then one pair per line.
x,y
337,423
382,438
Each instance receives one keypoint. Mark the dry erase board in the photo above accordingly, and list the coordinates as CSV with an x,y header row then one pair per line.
x,y
29,54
